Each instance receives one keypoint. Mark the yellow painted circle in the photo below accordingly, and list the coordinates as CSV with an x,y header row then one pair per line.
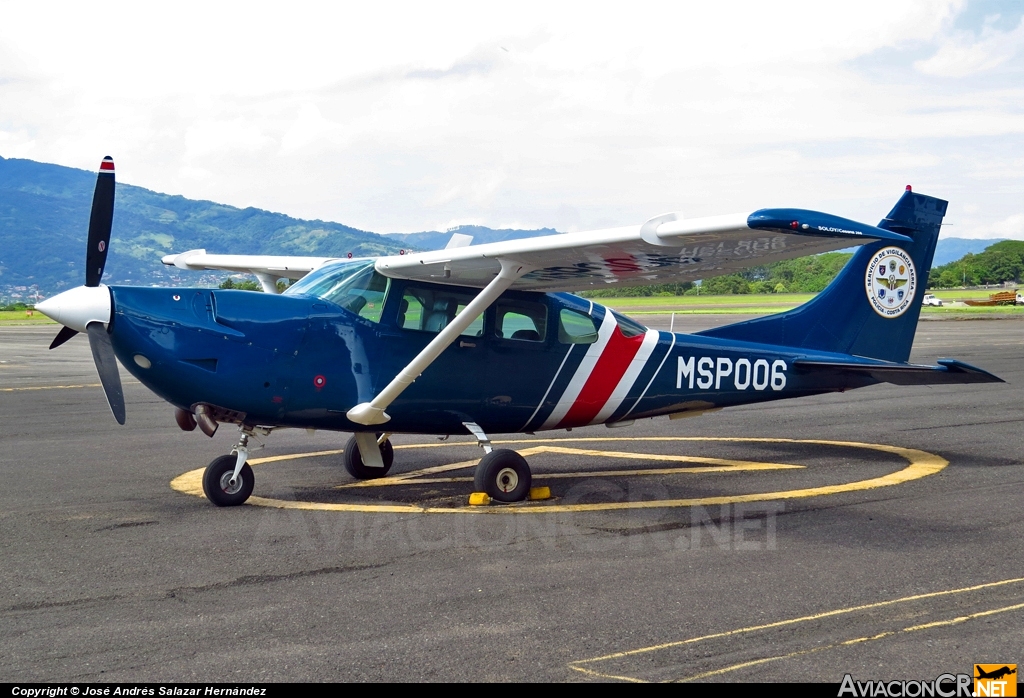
x,y
920,464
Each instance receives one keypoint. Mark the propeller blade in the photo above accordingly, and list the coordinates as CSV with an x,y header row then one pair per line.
x,y
100,221
106,367
64,335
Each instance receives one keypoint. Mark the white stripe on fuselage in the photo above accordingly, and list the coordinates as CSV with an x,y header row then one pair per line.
x,y
550,386
629,377
583,371
651,382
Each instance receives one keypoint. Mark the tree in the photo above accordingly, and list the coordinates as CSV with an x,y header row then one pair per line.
x,y
1003,261
246,285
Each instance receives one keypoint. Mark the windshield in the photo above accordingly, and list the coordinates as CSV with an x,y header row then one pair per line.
x,y
355,286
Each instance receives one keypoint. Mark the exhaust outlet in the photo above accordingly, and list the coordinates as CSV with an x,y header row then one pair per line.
x,y
185,420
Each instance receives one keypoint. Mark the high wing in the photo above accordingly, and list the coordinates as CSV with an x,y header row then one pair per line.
x,y
665,249
267,268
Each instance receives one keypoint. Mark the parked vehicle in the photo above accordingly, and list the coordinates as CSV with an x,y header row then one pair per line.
x,y
1001,298
930,299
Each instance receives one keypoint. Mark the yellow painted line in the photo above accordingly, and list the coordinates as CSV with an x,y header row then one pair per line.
x,y
721,466
599,675
921,464
913,628
571,476
814,617
858,640
754,662
961,619
50,387
434,470
661,457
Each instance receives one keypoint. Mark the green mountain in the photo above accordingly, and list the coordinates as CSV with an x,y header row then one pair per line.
x,y
481,235
1003,261
44,219
951,249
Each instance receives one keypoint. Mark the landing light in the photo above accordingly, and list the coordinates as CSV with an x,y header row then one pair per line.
x,y
142,361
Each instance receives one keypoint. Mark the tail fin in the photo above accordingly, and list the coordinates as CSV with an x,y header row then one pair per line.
x,y
871,308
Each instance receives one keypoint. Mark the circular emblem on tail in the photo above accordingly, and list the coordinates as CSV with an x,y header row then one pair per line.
x,y
891,281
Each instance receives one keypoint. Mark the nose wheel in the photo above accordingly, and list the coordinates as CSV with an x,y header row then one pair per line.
x,y
504,475
222,487
228,480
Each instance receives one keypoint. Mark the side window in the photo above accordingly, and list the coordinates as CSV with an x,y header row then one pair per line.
x,y
628,326
476,328
521,320
410,312
431,310
576,328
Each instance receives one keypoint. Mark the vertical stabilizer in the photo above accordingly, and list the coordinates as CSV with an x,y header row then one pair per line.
x,y
871,308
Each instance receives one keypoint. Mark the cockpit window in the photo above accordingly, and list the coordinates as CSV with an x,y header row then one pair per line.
x,y
355,286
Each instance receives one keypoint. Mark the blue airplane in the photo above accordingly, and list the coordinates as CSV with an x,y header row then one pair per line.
x,y
486,339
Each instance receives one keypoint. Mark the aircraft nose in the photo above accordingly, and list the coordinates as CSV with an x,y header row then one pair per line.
x,y
77,307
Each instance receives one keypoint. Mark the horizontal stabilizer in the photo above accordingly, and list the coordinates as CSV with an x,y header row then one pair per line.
x,y
948,371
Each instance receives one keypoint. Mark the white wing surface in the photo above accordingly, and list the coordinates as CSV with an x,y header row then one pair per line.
x,y
281,266
666,249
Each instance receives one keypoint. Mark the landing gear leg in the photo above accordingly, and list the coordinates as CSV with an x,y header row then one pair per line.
x,y
503,474
228,480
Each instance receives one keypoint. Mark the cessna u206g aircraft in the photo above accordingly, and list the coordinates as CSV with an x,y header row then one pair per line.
x,y
487,339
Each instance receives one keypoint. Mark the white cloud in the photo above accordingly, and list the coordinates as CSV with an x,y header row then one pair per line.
x,y
208,136
1009,227
394,116
310,127
965,54
17,145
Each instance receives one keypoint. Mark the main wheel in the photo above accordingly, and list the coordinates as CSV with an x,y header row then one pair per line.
x,y
360,471
504,475
217,484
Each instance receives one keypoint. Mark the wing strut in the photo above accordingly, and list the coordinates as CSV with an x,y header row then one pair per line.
x,y
372,412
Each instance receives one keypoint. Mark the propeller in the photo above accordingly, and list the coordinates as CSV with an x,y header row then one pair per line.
x,y
89,308
106,367
100,221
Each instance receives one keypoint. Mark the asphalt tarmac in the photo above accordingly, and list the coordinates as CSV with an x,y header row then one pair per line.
x,y
792,557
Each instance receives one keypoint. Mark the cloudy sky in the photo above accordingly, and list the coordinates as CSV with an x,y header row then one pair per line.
x,y
412,116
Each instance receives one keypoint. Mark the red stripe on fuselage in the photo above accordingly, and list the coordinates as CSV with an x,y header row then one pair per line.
x,y
608,370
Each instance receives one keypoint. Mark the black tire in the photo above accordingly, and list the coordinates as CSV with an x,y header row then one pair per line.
x,y
216,486
504,475
354,461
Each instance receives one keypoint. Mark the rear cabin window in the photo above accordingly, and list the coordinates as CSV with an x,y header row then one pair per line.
x,y
576,328
521,320
628,326
430,310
